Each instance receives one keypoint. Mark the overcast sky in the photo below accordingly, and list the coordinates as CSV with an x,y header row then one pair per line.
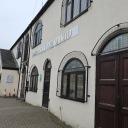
x,y
15,15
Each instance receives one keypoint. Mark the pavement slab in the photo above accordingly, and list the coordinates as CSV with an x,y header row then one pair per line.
x,y
18,114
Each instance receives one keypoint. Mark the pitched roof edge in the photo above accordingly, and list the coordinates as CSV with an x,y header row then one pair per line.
x,y
15,60
43,9
8,60
8,68
1,55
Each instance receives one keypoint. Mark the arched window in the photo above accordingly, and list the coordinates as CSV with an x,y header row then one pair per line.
x,y
19,50
34,79
73,80
71,9
118,43
26,47
37,35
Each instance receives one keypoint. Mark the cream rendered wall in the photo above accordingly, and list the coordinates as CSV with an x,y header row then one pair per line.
x,y
102,15
9,88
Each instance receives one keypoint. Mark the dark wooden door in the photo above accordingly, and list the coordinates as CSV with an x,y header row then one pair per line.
x,y
107,91
112,91
46,87
123,87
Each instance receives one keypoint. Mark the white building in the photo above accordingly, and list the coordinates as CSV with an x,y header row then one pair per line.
x,y
9,75
74,62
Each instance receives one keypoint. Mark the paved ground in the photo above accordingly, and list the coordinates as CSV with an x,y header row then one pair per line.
x,y
17,114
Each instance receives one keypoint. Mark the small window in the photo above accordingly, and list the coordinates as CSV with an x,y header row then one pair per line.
x,y
73,81
19,50
34,80
37,35
71,9
26,48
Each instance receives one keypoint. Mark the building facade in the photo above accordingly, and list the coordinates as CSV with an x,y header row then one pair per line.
x,y
73,60
9,74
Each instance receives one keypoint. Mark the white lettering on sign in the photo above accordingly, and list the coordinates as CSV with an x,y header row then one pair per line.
x,y
58,40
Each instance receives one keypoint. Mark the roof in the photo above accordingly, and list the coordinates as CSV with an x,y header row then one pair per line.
x,y
8,60
40,13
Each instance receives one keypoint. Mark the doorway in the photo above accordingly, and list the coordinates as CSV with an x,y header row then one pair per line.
x,y
46,88
112,87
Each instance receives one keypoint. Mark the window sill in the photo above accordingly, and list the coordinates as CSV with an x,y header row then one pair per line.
x,y
76,100
36,46
32,91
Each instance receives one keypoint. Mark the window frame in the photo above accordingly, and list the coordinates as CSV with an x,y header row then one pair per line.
x,y
36,34
19,51
34,81
76,83
26,48
72,11
108,42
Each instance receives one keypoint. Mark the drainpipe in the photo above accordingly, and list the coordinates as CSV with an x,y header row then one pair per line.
x,y
19,80
20,67
20,70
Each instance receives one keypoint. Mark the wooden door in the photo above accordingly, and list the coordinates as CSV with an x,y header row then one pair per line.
x,y
112,91
107,91
123,87
46,86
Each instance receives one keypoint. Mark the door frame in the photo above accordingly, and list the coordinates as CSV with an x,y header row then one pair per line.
x,y
111,33
97,76
44,68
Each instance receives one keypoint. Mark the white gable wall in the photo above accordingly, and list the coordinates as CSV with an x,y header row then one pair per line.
x,y
9,82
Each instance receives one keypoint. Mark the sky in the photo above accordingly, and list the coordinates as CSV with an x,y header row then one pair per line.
x,y
15,15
